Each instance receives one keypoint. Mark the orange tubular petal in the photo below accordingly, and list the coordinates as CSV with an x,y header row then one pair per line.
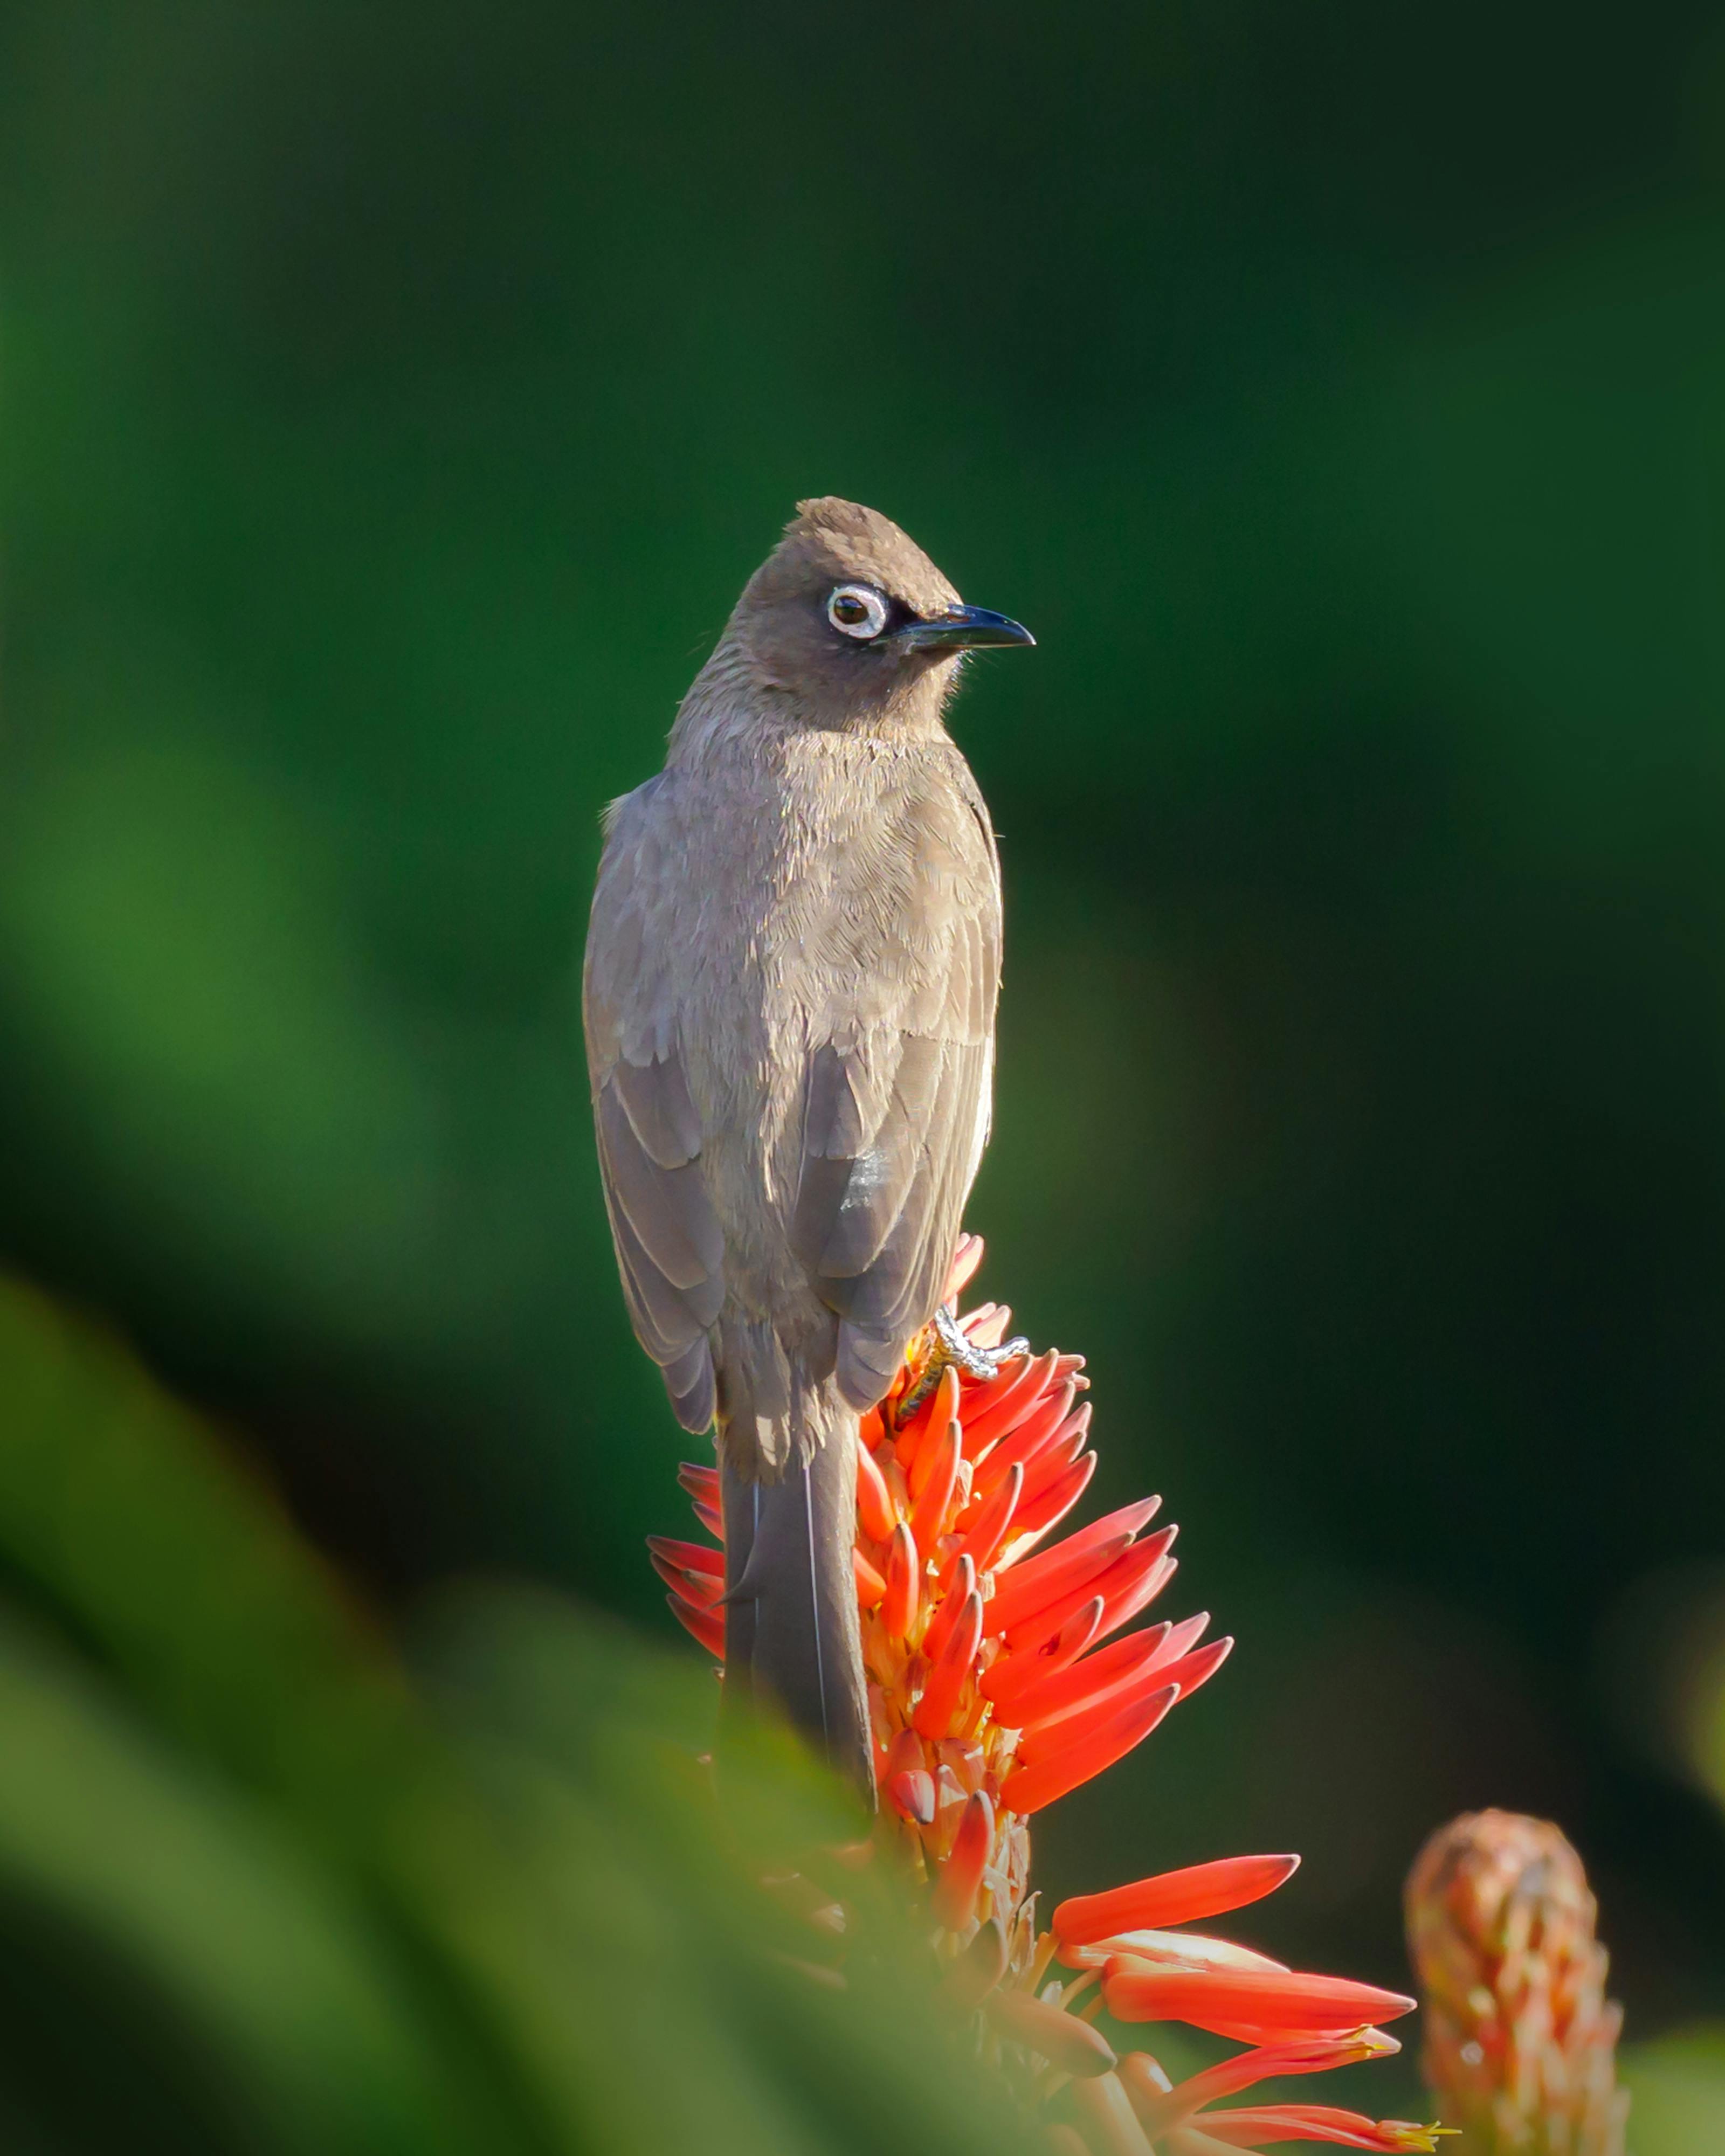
x,y
1046,1466
1061,2038
1116,1585
703,1625
698,1589
1005,1681
1160,2109
688,1557
981,1399
1148,2089
936,1412
1254,2032
871,1586
911,1793
1109,2126
937,1464
1263,2127
954,1596
1182,1638
1024,1446
1270,2001
934,1716
988,1529
710,1518
1185,1675
1121,1607
1190,1671
1043,1421
992,1418
906,1750
1087,1681
875,1507
955,1889
1028,1788
1173,1950
1171,1898
1050,1509
898,1612
966,1261
1035,1717
1019,1596
1033,1573
1064,1733
702,1482
986,1327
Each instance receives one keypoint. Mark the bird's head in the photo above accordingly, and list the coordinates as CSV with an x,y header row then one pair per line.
x,y
849,618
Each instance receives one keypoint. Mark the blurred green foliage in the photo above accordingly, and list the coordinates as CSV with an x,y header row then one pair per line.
x,y
392,401
1677,2090
259,1891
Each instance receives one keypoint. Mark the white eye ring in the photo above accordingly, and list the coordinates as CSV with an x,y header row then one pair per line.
x,y
857,610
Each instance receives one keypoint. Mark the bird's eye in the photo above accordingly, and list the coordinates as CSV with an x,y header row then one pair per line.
x,y
857,610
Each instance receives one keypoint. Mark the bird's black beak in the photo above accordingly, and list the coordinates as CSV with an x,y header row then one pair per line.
x,y
964,629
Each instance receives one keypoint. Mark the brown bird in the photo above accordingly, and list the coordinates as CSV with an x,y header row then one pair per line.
x,y
792,971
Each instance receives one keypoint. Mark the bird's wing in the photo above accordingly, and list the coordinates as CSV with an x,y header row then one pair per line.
x,y
897,1093
670,1250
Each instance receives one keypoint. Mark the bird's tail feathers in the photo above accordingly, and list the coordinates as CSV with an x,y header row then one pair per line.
x,y
791,1630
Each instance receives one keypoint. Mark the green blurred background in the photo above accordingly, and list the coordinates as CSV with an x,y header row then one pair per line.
x,y
391,402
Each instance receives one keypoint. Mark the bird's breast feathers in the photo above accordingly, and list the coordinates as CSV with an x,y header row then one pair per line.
x,y
803,876
751,920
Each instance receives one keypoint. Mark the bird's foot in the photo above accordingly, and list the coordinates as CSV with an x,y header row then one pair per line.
x,y
944,1347
958,1349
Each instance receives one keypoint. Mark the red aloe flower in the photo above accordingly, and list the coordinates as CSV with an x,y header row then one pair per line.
x,y
996,1684
1301,2122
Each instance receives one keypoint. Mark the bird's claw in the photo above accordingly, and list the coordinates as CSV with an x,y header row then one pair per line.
x,y
947,1346
957,1348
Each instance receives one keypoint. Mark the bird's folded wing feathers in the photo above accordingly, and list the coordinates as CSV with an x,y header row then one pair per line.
x,y
894,1096
670,1250
897,1096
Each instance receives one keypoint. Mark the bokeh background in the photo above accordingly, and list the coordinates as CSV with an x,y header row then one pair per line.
x,y
391,402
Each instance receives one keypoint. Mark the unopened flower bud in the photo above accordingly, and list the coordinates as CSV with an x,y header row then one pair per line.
x,y
1520,2038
